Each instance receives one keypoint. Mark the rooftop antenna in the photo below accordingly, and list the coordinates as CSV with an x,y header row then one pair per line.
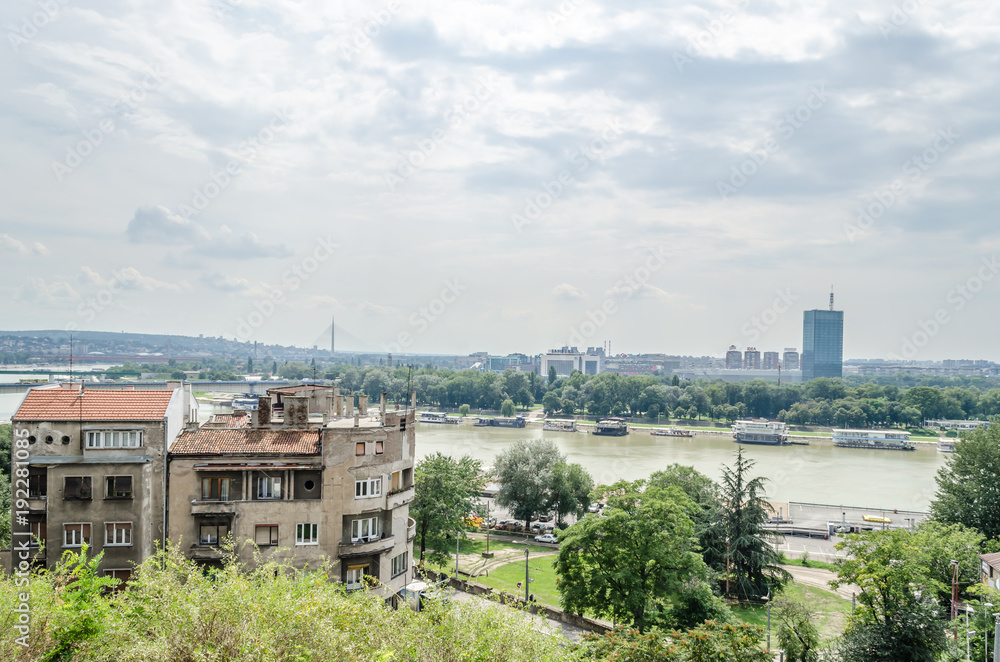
x,y
831,297
71,358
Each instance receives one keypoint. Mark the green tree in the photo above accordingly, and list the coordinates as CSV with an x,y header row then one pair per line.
x,y
627,564
446,491
551,403
710,642
507,408
796,628
464,410
967,486
752,560
571,487
524,471
705,494
552,375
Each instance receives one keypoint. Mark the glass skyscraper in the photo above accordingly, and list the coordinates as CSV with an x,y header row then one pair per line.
x,y
822,344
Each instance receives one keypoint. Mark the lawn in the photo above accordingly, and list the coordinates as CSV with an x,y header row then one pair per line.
x,y
541,573
831,611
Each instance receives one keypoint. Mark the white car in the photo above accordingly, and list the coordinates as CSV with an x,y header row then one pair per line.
x,y
547,537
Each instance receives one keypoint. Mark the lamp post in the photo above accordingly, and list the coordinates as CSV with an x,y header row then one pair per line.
x,y
767,599
996,638
986,631
527,548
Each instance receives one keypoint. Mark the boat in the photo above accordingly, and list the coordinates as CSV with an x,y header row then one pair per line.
x,y
611,427
438,417
883,440
247,402
500,422
559,426
671,432
760,431
946,445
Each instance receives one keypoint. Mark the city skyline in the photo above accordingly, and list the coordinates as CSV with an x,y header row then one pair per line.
x,y
445,181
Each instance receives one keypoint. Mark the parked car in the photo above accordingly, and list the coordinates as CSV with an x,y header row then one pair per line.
x,y
544,518
594,507
547,537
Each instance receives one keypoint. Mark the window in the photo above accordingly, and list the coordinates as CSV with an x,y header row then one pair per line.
x,y
268,487
117,534
396,485
356,575
211,534
215,489
307,534
37,534
265,535
402,424
118,487
122,575
367,487
76,487
364,530
37,486
378,447
359,448
114,439
399,564
74,535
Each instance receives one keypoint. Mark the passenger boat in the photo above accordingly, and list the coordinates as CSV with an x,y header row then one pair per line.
x,y
946,445
559,426
671,432
762,432
246,402
437,417
883,440
611,427
516,422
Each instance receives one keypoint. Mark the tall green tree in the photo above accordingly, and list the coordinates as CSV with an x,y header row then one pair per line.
x,y
524,471
797,633
968,491
552,375
570,492
507,408
628,563
445,492
753,563
708,516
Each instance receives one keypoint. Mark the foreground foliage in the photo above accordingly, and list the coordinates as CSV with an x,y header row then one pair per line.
x,y
173,610
710,642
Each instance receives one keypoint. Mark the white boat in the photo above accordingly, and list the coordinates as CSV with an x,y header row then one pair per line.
x,y
438,417
671,432
946,445
559,426
883,440
761,431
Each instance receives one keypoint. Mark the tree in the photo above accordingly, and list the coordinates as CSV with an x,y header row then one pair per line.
x,y
707,516
524,471
797,633
551,403
571,487
752,561
464,410
628,563
446,491
507,408
967,486
552,375
896,618
710,641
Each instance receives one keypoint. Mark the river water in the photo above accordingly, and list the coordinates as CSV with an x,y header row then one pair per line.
x,y
817,473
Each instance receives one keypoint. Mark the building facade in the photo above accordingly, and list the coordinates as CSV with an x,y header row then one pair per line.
x,y
822,344
751,359
790,359
771,361
734,358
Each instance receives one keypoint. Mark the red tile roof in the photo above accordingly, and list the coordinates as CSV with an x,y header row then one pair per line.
x,y
221,441
234,420
60,404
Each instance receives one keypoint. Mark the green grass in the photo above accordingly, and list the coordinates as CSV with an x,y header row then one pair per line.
x,y
811,564
540,571
830,609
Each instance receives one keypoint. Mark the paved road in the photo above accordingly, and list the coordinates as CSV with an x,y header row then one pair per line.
x,y
820,578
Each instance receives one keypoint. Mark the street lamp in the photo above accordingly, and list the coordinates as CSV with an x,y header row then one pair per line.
x,y
996,638
986,631
767,599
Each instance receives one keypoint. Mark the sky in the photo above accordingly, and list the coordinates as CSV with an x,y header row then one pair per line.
x,y
505,176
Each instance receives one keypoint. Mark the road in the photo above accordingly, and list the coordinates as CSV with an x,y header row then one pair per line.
x,y
820,578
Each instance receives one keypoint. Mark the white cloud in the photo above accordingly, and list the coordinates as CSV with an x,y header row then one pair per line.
x,y
567,292
37,291
9,244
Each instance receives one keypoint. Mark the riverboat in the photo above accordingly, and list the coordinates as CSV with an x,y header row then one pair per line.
x,y
559,426
516,422
671,432
760,432
246,402
946,445
437,417
882,440
611,427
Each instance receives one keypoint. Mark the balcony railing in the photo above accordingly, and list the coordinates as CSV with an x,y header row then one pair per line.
x,y
400,498
374,547
411,529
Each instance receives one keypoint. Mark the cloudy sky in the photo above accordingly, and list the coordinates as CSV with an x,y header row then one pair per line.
x,y
505,176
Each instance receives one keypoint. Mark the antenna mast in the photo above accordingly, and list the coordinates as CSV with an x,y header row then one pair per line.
x,y
831,297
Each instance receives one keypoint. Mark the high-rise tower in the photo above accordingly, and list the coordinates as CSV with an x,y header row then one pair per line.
x,y
823,343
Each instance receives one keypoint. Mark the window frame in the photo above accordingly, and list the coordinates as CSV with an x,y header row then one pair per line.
x,y
379,447
39,532
218,535
83,539
359,446
272,535
114,439
373,527
403,564
114,528
368,488
359,572
223,484
84,481
274,482
41,485
110,483
300,531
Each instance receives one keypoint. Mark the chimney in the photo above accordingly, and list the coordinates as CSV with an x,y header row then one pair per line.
x,y
413,399
348,406
174,384
296,411
381,406
357,418
363,405
262,417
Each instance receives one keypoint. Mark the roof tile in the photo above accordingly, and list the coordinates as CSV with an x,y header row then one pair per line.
x,y
60,404
221,441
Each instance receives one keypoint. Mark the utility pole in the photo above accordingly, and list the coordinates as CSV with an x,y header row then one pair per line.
x,y
458,540
986,631
527,548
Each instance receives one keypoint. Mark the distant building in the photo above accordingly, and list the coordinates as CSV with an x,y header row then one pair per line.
x,y
567,359
734,359
955,425
770,361
790,359
751,359
822,344
990,573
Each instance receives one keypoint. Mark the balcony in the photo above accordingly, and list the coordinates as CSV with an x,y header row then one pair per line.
x,y
411,529
36,504
213,507
397,499
365,548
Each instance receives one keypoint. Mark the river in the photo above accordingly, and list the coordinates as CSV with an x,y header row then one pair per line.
x,y
817,473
